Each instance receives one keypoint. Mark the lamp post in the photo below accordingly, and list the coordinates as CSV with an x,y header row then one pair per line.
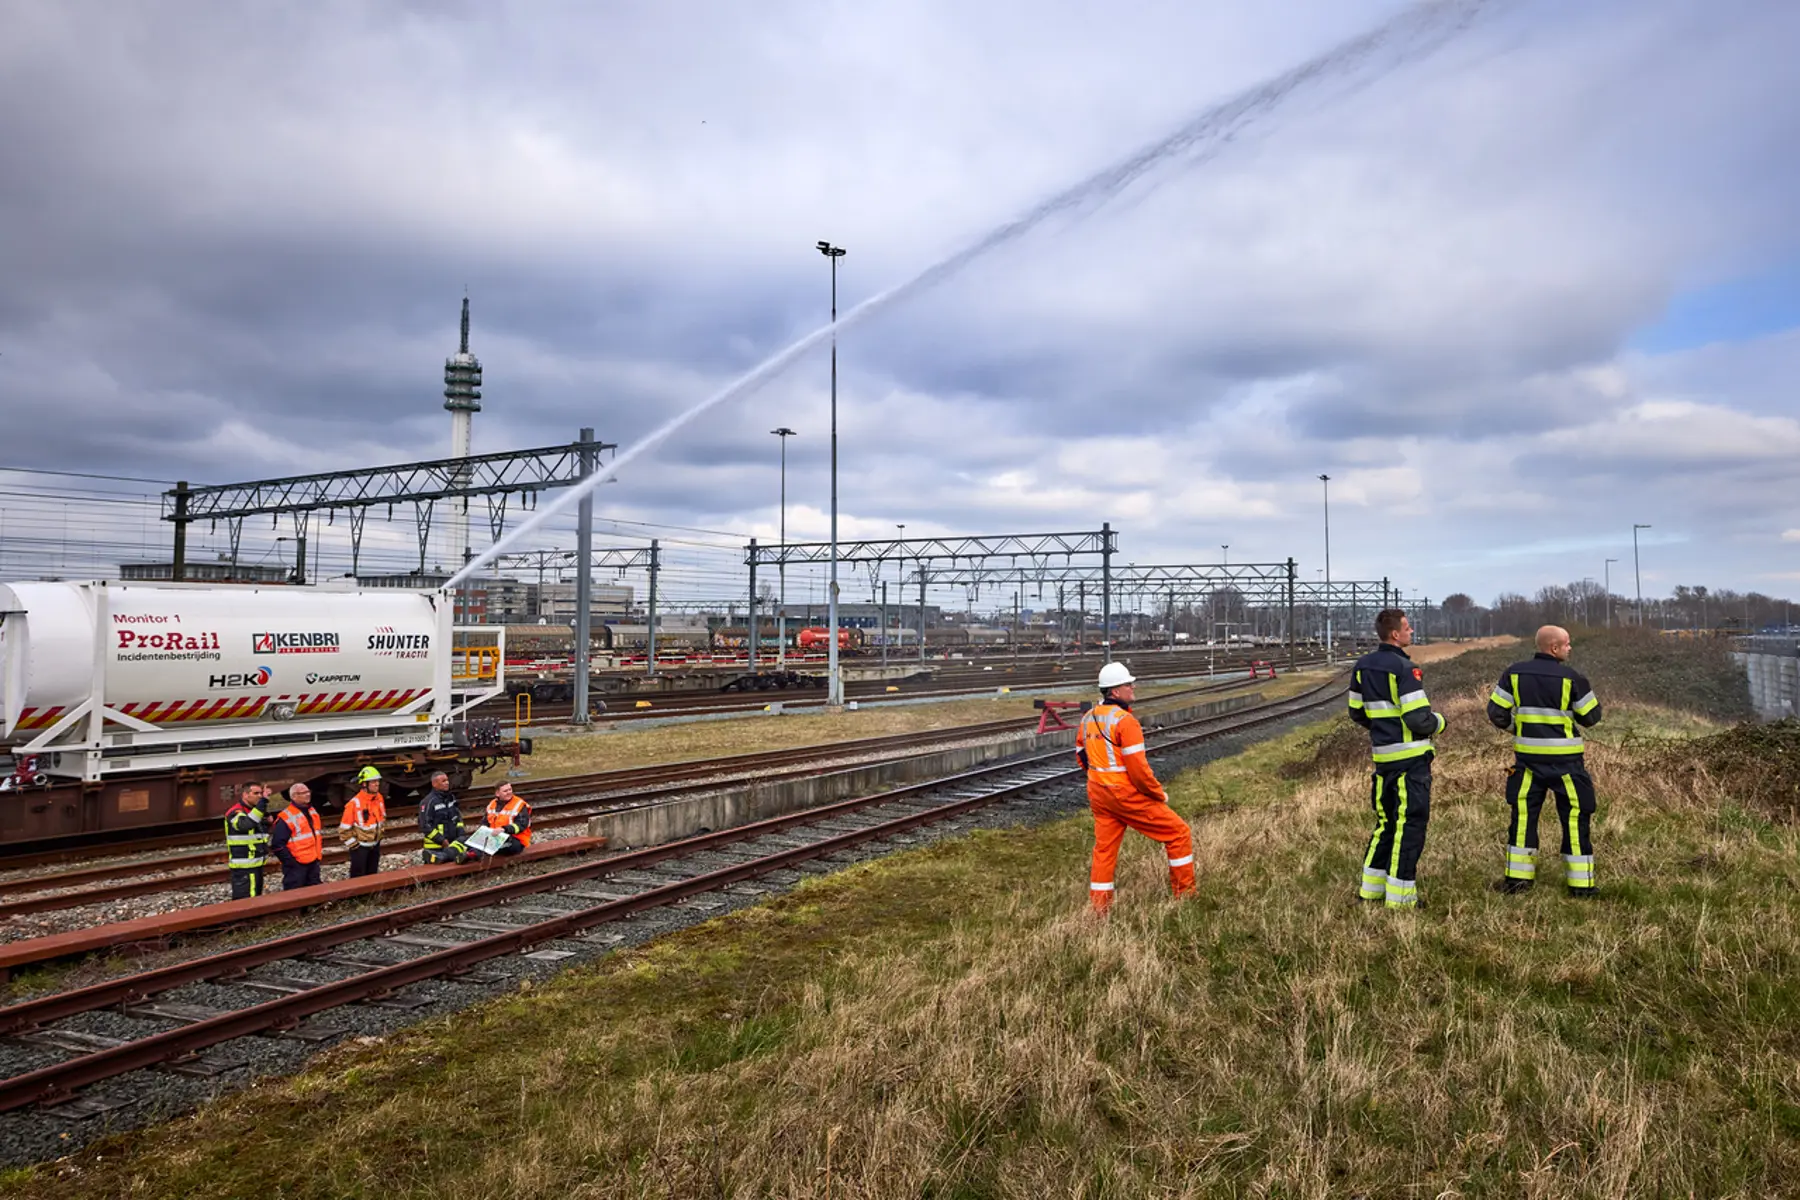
x,y
901,526
1609,563
1637,574
784,433
834,694
1326,480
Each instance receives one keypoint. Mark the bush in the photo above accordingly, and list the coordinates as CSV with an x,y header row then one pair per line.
x,y
1757,766
1624,665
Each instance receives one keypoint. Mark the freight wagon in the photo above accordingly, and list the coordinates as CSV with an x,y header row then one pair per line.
x,y
128,705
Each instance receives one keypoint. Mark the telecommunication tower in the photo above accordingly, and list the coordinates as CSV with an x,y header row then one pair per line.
x,y
462,396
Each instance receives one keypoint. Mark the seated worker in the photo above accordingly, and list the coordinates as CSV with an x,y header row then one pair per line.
x,y
512,816
440,820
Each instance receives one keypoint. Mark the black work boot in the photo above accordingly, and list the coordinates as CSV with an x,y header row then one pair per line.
x,y
1511,887
1586,893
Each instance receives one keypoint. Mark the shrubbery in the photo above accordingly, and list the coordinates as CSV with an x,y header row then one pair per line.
x,y
1624,665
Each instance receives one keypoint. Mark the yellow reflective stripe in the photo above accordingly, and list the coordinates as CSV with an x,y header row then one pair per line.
x,y
1378,711
1586,704
1524,745
1380,823
1574,842
1501,698
1521,802
1396,751
1399,831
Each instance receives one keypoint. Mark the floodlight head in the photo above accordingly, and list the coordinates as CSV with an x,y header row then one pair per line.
x,y
831,251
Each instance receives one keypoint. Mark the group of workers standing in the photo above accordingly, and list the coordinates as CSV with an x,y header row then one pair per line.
x,y
1542,701
264,824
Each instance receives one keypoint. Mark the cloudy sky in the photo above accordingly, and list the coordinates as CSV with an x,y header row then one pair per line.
x,y
1514,292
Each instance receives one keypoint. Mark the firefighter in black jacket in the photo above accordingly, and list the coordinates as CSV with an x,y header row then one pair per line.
x,y
1387,697
1542,701
247,841
440,820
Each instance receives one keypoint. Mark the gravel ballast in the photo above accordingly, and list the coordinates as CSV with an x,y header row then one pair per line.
x,y
35,1135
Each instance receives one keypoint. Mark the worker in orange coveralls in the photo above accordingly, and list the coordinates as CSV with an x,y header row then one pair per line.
x,y
1123,791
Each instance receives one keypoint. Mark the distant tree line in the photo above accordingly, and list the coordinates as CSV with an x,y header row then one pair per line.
x,y
1585,602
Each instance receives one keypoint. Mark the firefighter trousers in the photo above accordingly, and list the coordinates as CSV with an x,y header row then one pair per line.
x,y
298,875
246,882
1526,790
1156,821
365,860
1400,795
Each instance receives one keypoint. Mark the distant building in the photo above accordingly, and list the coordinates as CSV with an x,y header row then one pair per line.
x,y
556,603
471,597
224,571
500,601
856,616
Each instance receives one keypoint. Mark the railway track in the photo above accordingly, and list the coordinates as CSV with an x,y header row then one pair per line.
x,y
947,681
122,843
556,801
426,941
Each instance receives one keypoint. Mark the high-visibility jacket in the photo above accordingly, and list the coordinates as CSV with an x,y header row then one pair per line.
x,y
514,817
1109,743
363,818
1543,700
296,836
1387,697
246,836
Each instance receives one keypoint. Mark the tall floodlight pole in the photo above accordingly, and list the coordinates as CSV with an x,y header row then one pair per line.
x,y
834,695
901,526
1225,560
784,433
1637,575
1609,563
1329,655
584,582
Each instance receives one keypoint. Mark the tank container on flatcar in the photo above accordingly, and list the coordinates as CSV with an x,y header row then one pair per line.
x,y
96,678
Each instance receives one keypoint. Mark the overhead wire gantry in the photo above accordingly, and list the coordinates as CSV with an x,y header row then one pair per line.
x,y
498,477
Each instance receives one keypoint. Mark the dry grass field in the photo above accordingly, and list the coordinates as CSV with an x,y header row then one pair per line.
x,y
951,1023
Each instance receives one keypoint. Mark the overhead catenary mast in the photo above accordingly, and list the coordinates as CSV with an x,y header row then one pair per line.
x,y
462,396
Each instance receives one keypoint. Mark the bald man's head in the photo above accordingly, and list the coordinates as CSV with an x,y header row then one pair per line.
x,y
1554,641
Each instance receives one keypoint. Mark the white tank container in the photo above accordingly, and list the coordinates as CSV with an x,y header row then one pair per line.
x,y
182,656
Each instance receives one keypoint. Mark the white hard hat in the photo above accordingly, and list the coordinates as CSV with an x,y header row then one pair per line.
x,y
1115,674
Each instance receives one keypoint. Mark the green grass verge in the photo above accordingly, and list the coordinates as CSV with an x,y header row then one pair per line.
x,y
950,1023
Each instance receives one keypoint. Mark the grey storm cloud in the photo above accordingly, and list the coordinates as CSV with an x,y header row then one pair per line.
x,y
235,238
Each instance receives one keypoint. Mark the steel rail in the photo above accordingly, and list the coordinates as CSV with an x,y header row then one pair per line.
x,y
55,1082
52,1007
684,704
548,795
